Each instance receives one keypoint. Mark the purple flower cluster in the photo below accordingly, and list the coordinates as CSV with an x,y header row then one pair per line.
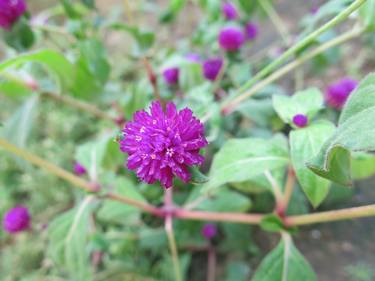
x,y
16,220
300,120
162,145
10,11
251,31
337,93
229,11
231,38
171,75
211,68
79,169
209,230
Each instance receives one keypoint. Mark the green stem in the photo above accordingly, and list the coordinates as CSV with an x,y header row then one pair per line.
x,y
303,43
228,108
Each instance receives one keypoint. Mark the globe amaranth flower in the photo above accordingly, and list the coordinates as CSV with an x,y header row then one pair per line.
x,y
231,38
300,120
251,31
211,68
79,169
171,75
10,11
193,57
209,230
16,219
162,145
337,93
229,11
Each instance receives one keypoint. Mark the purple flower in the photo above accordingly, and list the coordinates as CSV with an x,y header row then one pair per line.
x,y
209,230
231,38
16,219
337,93
193,57
251,31
10,11
171,75
162,145
300,120
211,68
79,169
229,11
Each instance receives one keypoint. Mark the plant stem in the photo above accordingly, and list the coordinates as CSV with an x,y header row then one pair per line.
x,y
128,11
152,78
276,190
80,105
336,215
276,20
303,43
228,108
211,263
289,185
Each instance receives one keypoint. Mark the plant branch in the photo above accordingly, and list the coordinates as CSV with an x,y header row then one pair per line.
x,y
336,215
228,108
276,189
211,263
289,186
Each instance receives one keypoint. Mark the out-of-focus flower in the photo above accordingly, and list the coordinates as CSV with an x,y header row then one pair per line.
x,y
193,57
171,75
231,38
251,31
79,169
162,145
209,230
211,68
300,120
337,93
229,11
10,11
16,219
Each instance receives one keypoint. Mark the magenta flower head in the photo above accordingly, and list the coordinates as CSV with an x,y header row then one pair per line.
x,y
251,31
209,230
211,68
162,145
337,93
193,57
171,75
231,38
16,220
229,11
10,11
79,169
300,120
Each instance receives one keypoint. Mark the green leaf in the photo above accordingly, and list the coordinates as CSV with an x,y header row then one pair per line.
x,y
367,13
67,246
18,127
284,263
14,87
304,145
20,37
121,213
190,75
363,165
272,223
307,102
354,133
175,6
240,160
196,176
237,271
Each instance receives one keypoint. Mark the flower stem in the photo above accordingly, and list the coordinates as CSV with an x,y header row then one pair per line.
x,y
229,107
288,190
336,215
276,190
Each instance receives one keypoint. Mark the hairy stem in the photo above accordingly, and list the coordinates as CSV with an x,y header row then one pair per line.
x,y
228,108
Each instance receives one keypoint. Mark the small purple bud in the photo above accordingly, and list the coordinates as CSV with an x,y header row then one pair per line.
x,y
231,38
10,11
337,93
209,230
229,11
314,10
251,31
16,220
211,68
171,75
79,169
300,120
193,57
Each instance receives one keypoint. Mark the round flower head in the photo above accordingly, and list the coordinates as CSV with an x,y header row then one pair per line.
x,y
16,220
338,93
171,75
211,68
79,169
209,230
193,57
162,145
251,31
229,11
231,38
10,11
300,120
